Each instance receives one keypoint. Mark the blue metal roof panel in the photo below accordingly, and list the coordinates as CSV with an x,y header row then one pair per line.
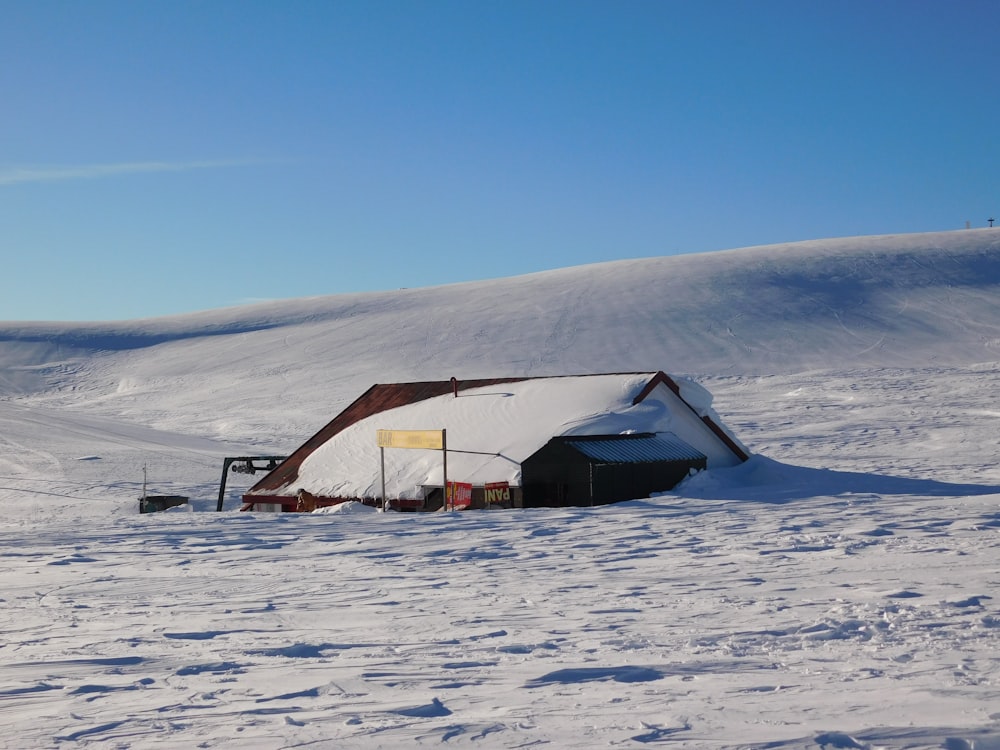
x,y
663,447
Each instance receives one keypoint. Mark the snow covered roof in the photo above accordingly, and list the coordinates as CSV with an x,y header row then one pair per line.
x,y
492,426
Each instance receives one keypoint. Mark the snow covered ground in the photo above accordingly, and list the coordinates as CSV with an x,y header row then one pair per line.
x,y
839,590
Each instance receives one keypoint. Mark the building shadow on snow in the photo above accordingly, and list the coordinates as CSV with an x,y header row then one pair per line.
x,y
762,479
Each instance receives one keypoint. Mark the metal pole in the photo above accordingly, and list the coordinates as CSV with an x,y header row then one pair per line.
x,y
444,470
381,451
222,484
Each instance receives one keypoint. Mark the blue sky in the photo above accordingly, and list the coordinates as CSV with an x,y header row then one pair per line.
x,y
169,156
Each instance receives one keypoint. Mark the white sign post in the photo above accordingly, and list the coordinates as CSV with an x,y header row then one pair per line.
x,y
426,439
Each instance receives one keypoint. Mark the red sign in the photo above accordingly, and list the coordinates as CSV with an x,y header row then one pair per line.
x,y
459,495
497,493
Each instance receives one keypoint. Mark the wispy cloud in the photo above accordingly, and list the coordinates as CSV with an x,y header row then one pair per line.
x,y
21,175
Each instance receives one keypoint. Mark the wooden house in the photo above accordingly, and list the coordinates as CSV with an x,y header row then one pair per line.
x,y
514,442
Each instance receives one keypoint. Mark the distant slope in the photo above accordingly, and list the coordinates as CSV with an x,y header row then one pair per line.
x,y
888,301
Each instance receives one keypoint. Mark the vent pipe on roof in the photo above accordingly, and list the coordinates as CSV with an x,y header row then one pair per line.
x,y
454,386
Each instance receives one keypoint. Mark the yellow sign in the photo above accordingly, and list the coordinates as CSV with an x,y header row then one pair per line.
x,y
433,439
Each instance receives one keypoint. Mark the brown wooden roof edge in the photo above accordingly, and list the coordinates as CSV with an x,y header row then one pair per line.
x,y
287,470
664,379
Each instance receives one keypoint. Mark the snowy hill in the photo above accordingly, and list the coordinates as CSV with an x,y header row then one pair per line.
x,y
893,301
838,590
